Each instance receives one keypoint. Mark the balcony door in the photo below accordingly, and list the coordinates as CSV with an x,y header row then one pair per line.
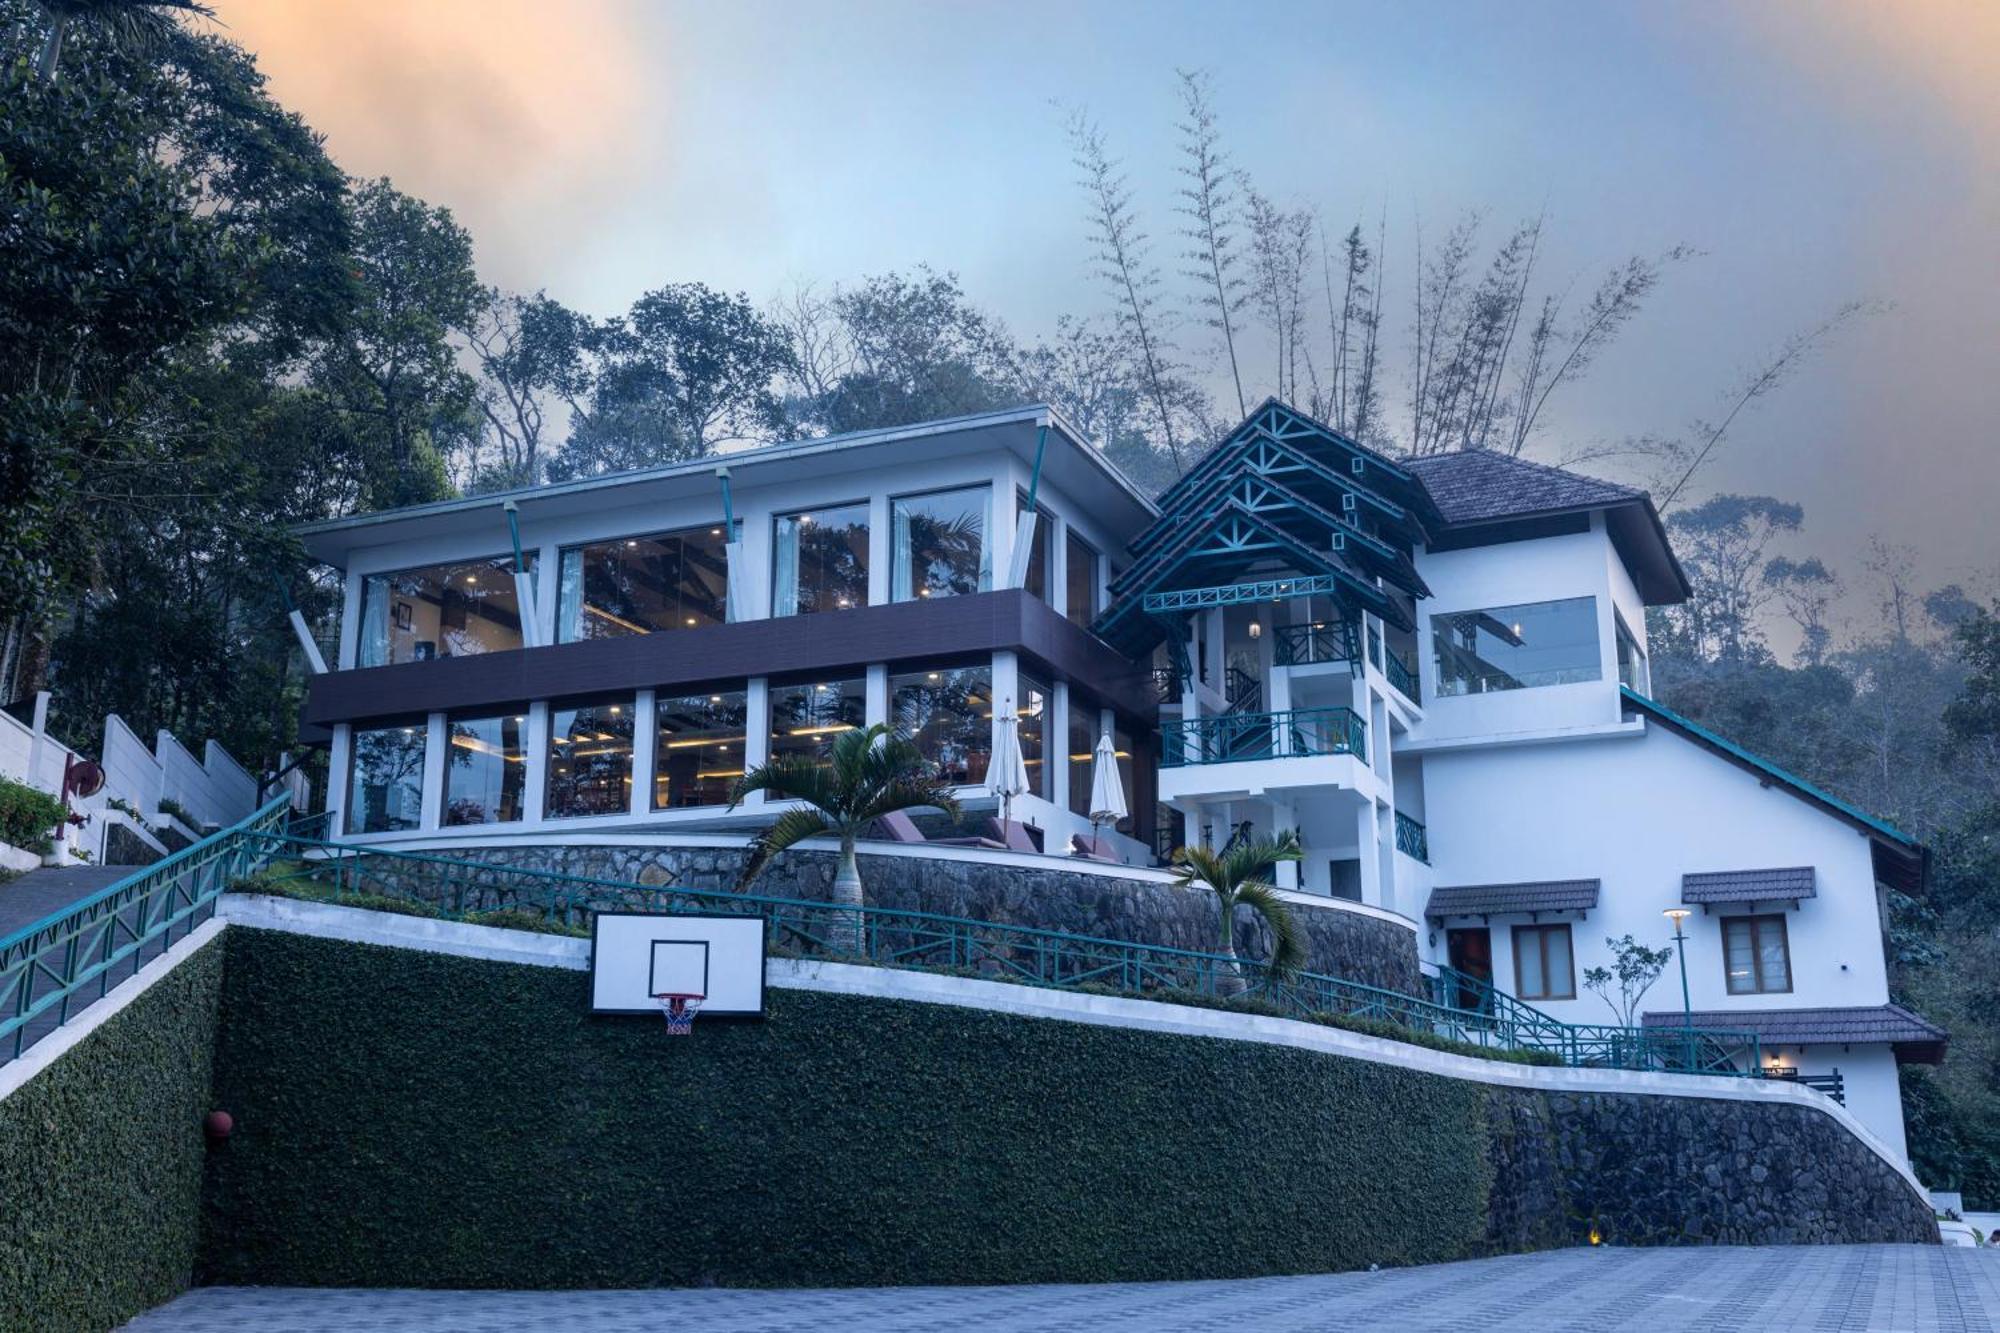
x,y
1469,949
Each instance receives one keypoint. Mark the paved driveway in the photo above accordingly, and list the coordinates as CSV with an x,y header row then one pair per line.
x,y
1718,1290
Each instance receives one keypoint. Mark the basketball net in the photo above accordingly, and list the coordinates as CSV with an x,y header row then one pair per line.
x,y
679,1009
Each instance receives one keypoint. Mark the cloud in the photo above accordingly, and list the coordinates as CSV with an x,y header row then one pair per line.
x,y
525,119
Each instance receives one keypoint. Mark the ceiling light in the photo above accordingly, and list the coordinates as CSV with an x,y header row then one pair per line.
x,y
630,544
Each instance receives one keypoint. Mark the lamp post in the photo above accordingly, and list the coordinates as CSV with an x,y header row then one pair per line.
x,y
1678,915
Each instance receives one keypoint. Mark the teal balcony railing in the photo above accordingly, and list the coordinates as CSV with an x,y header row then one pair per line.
x,y
1229,738
1401,677
1412,839
927,941
1312,644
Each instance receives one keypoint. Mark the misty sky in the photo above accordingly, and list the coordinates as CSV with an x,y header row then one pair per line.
x,y
1816,153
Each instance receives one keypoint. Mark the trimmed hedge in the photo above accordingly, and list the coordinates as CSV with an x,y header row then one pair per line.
x,y
101,1162
413,1119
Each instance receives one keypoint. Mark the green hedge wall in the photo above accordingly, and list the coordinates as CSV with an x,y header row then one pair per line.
x,y
409,1119
101,1163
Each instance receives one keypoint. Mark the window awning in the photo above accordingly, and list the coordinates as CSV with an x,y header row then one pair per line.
x,y
1916,1041
1541,895
1749,886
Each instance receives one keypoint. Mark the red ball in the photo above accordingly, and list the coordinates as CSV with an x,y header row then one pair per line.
x,y
218,1125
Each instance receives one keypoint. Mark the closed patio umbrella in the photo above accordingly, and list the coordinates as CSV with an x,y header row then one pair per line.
x,y
1107,791
1007,775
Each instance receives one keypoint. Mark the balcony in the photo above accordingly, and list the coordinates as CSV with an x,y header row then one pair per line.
x,y
1412,839
1402,677
1230,738
1311,645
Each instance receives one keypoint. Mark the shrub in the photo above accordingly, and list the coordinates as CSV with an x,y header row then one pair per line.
x,y
522,918
28,815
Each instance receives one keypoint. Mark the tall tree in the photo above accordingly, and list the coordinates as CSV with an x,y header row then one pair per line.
x,y
1207,198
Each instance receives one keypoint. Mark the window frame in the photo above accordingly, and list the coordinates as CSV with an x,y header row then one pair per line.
x,y
1444,641
1071,541
899,558
633,629
663,702
1757,923
1542,931
523,728
867,555
501,564
417,727
626,706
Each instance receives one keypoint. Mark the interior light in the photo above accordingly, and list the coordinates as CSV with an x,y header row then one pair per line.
x,y
715,698
690,620
614,710
933,675
923,592
631,543
822,688
715,532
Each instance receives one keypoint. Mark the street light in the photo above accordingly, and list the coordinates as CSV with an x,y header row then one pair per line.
x,y
1678,915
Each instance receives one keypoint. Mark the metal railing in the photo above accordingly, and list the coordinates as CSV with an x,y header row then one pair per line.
x,y
1310,645
1237,737
1412,838
1833,1085
927,941
1400,675
53,967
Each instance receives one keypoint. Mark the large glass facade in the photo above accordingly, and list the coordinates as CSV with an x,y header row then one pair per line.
x,y
1080,579
1041,553
1035,714
1631,660
699,748
385,789
948,712
485,769
590,758
1517,647
643,585
1082,752
940,546
455,610
807,715
819,560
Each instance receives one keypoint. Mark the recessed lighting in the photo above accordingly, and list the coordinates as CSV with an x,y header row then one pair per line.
x,y
630,543
923,592
715,532
690,620
614,710
933,675
715,698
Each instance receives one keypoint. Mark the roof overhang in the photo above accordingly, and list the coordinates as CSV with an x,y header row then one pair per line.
x,y
1914,1040
1561,895
1071,466
1634,526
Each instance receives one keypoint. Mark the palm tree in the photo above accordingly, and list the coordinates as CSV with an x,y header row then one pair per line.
x,y
865,775
1240,878
138,22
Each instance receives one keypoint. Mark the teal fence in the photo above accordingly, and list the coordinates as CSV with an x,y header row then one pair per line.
x,y
927,941
55,966
1412,838
1312,644
1227,738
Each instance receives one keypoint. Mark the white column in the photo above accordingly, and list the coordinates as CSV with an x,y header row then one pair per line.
x,y
1285,815
756,728
881,543
1367,847
338,779
548,588
436,738
878,695
1056,745
535,800
645,749
350,622
1058,589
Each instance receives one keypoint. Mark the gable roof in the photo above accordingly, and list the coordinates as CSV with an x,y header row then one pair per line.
x,y
1900,860
1481,491
1915,1039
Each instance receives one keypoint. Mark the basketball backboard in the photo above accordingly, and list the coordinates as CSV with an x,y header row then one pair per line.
x,y
636,956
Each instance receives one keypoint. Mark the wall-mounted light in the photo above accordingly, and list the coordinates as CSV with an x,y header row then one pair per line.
x,y
1256,629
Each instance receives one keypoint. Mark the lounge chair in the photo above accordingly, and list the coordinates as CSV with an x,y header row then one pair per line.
x,y
1095,847
1013,835
899,827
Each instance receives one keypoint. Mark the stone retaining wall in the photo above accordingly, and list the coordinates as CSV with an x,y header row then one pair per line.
x,y
1342,943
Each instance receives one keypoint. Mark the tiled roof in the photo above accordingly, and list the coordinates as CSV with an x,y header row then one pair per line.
x,y
1548,895
1810,1027
1749,886
1475,485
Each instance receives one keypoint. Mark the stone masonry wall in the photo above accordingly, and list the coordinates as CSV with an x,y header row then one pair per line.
x,y
1650,1170
1344,944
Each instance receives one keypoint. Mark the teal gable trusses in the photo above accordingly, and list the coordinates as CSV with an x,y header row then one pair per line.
x,y
1282,495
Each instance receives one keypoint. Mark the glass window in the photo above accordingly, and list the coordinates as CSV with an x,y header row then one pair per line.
x,y
1080,579
948,713
1542,963
1631,659
642,585
485,770
385,790
1517,647
806,717
1041,552
590,759
1343,879
698,751
819,560
1034,712
1082,751
940,546
439,611
1756,955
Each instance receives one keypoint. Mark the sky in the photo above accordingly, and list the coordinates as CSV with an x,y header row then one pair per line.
x,y
1814,153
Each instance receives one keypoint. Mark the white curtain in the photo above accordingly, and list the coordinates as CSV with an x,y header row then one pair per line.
x,y
569,598
785,580
375,620
903,589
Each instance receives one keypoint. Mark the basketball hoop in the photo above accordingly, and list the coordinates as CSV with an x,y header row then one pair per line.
x,y
679,1007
